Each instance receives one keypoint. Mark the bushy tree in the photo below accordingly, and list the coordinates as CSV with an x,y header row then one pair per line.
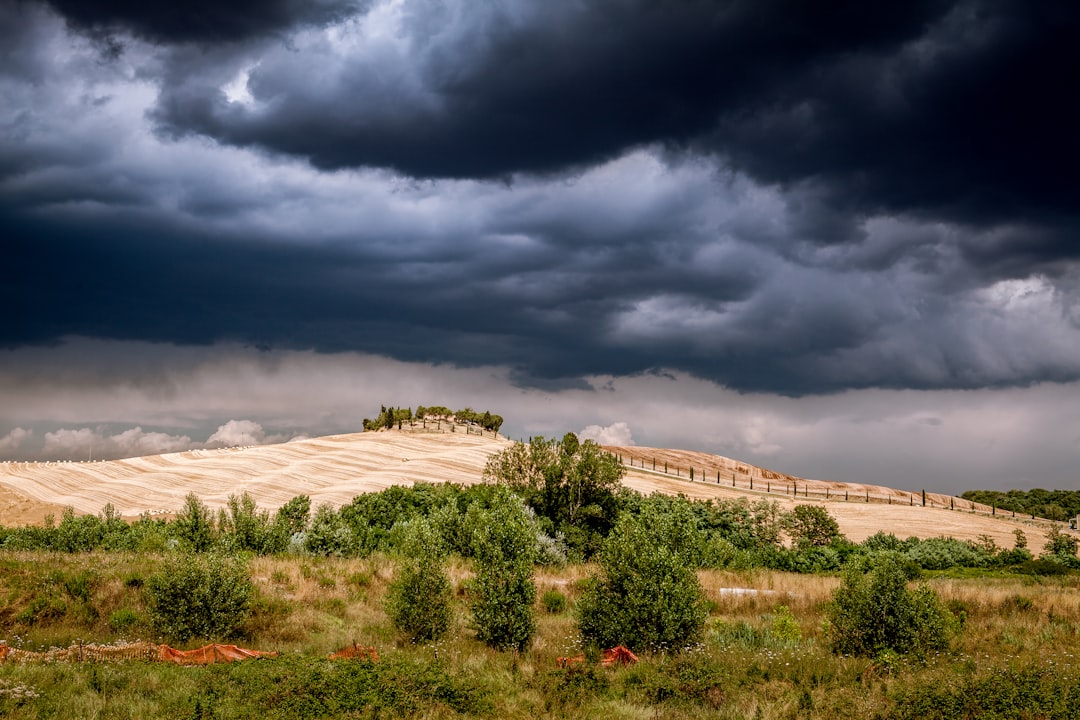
x,y
79,533
811,526
571,483
205,596
647,595
194,526
244,526
1059,544
504,547
873,611
329,534
419,601
295,514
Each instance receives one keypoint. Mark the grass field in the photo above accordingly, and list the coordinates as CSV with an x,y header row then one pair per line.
x,y
1019,639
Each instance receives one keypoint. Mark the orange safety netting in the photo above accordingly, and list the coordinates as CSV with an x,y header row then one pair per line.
x,y
205,655
210,654
618,655
354,651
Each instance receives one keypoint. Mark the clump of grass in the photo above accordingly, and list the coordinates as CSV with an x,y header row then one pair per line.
x,y
554,601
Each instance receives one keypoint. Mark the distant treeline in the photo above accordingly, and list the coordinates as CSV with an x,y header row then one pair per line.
x,y
390,417
1050,504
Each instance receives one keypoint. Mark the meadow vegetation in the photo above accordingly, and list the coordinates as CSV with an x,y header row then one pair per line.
x,y
471,594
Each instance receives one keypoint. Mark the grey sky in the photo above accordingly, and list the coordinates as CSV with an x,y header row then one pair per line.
x,y
850,236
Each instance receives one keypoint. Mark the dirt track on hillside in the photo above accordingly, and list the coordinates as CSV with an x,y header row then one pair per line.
x,y
336,468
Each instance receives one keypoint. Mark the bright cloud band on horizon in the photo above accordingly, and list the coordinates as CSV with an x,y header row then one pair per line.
x,y
941,440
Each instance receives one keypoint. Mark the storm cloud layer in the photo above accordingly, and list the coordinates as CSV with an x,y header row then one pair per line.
x,y
771,197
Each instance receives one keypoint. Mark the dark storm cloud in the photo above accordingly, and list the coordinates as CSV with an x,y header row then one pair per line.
x,y
960,111
200,20
754,194
521,86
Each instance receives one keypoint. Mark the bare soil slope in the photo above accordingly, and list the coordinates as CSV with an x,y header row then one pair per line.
x,y
336,468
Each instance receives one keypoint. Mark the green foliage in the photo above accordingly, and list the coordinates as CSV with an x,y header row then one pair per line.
x,y
1059,544
389,417
873,611
194,526
295,514
571,483
783,625
205,596
79,533
329,534
945,553
1024,691
419,599
1050,504
1042,567
647,595
247,528
811,526
554,602
123,620
504,547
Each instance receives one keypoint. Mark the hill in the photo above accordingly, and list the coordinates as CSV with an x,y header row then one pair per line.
x,y
336,468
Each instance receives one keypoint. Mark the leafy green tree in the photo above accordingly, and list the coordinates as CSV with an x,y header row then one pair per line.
x,y
571,483
194,525
873,611
295,514
244,526
504,548
79,533
646,595
329,534
1059,543
420,599
811,526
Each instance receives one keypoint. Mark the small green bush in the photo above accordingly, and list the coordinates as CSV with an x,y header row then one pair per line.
x,y
554,602
504,548
647,594
1043,567
419,601
123,619
206,596
784,627
874,611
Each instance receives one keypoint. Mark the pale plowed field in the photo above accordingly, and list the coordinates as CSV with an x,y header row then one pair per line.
x,y
336,468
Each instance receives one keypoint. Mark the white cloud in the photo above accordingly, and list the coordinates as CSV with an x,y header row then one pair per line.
x,y
87,444
14,439
614,434
246,432
947,440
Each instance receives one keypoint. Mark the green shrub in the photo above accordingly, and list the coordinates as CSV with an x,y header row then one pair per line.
x,y
419,600
329,534
554,602
206,596
874,611
945,553
784,627
1059,544
504,547
647,595
194,526
1043,566
123,619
